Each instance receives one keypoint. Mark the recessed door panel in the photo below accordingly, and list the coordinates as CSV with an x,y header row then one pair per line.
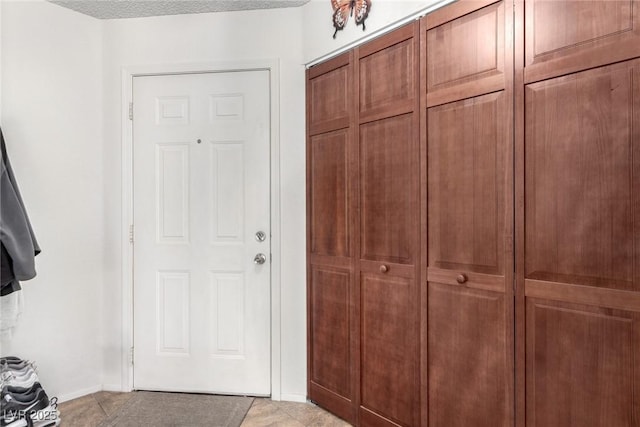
x,y
387,189
466,177
389,348
582,178
330,333
466,55
468,354
228,300
596,20
387,79
172,311
569,36
172,193
328,100
227,160
581,365
329,194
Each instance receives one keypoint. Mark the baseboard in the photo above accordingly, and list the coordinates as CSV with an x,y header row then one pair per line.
x,y
112,387
79,393
294,397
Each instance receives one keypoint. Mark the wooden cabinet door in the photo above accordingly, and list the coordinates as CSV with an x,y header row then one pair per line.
x,y
389,238
467,303
332,317
389,368
581,262
578,220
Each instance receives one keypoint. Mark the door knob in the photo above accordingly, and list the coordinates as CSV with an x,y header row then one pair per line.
x,y
260,259
462,278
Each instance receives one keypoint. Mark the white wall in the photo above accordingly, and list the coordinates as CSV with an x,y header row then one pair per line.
x,y
51,117
202,38
317,28
60,95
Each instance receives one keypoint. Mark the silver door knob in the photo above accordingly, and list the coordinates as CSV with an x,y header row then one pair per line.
x,y
260,259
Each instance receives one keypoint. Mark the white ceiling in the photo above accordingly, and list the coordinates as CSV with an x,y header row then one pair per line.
x,y
114,9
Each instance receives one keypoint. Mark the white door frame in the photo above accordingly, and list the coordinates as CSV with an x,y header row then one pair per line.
x,y
128,73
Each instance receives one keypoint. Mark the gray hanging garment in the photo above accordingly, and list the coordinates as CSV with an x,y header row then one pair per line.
x,y
6,272
18,242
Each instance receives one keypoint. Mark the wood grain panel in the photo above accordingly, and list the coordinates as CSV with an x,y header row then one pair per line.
x,y
330,330
590,295
329,261
332,326
582,178
329,194
334,403
577,132
453,11
575,23
467,311
468,358
467,49
388,80
486,282
387,188
466,181
569,36
581,365
328,100
389,348
396,270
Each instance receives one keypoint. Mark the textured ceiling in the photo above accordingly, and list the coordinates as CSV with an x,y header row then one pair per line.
x,y
114,9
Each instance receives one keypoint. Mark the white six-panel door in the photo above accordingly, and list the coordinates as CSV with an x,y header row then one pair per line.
x,y
201,193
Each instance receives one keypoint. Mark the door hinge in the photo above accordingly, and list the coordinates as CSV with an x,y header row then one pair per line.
x,y
131,356
131,111
131,233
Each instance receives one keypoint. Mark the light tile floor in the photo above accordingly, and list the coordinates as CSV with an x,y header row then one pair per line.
x,y
91,410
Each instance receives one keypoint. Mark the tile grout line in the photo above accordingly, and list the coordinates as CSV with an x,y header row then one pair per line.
x,y
93,396
316,415
253,402
274,409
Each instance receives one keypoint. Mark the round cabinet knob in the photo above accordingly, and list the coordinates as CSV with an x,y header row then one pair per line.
x,y
384,268
461,278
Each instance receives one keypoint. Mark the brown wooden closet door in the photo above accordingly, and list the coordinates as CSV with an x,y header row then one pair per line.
x,y
389,212
332,317
578,242
467,302
582,223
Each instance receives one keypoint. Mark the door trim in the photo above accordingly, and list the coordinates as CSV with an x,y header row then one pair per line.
x,y
128,73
